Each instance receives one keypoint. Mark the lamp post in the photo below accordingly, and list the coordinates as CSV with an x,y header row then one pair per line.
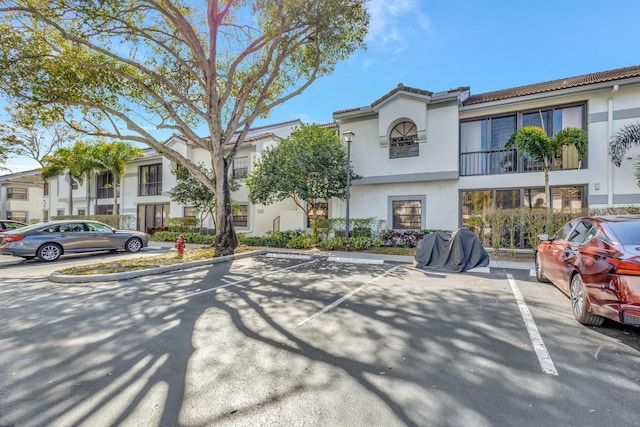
x,y
348,137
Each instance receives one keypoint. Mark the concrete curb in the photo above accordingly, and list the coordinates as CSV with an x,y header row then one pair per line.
x,y
57,277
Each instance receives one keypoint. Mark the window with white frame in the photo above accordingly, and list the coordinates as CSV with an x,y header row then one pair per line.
x,y
241,215
320,211
407,212
240,167
20,216
189,212
403,141
45,215
60,212
82,212
17,193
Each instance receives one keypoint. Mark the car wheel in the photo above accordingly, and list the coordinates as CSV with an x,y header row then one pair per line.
x,y
579,304
49,252
133,245
539,270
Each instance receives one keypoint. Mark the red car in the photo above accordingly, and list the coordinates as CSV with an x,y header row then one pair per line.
x,y
596,262
7,224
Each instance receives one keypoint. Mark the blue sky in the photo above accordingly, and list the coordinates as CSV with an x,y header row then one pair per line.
x,y
488,45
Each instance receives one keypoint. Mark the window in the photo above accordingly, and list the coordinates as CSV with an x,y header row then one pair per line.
x,y
583,231
105,186
102,228
82,212
150,180
189,212
45,215
479,203
152,216
60,212
321,211
240,167
45,188
74,183
407,214
104,209
16,193
403,141
241,215
17,216
482,140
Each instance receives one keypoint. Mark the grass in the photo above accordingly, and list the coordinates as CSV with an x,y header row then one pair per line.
x,y
393,251
144,262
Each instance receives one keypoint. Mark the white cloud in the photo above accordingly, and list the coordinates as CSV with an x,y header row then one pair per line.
x,y
394,23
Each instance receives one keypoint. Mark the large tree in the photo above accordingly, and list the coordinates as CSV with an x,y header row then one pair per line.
x,y
309,166
189,191
24,135
534,143
205,70
622,141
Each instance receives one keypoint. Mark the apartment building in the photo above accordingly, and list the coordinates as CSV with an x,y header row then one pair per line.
x,y
431,159
21,196
427,160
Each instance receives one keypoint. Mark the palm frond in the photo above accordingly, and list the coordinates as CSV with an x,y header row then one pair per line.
x,y
622,141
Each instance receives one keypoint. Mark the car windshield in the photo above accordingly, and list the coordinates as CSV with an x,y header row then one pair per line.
x,y
627,232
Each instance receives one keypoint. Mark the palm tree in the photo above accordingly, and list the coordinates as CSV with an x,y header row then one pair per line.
x,y
113,157
77,161
533,142
622,141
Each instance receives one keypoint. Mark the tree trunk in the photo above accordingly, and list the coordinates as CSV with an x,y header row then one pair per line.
x,y
70,195
226,239
547,194
115,196
88,179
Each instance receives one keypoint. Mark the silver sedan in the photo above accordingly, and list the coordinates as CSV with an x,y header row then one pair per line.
x,y
48,241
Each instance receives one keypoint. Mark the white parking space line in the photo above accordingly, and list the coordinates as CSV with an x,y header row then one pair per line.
x,y
534,335
355,260
237,282
288,256
342,299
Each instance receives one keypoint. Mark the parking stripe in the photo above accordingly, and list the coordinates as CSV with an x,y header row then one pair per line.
x,y
534,335
342,299
237,282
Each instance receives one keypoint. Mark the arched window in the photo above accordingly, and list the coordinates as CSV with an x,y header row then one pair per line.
x,y
403,141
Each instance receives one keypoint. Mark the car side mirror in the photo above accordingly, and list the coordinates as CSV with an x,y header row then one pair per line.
x,y
542,237
113,230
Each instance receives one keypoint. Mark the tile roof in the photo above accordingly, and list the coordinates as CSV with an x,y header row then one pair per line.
x,y
403,88
569,82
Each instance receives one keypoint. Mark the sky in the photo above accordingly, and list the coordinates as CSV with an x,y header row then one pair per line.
x,y
437,45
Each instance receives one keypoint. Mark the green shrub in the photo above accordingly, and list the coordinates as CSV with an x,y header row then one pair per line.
x,y
301,242
182,224
354,243
272,242
172,236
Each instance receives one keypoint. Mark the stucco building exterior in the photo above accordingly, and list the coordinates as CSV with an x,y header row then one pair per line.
x,y
427,160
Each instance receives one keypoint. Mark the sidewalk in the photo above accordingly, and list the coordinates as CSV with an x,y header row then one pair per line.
x,y
407,259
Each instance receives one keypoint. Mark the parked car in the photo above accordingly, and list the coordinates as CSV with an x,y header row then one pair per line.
x,y
595,261
8,224
48,241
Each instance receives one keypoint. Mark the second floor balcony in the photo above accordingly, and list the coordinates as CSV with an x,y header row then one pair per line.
x,y
494,162
150,189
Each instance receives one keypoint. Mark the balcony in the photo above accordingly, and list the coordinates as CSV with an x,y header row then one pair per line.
x,y
150,189
105,193
496,162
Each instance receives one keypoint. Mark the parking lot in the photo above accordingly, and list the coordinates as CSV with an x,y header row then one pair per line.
x,y
281,341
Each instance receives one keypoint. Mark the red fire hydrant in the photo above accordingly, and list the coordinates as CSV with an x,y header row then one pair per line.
x,y
180,245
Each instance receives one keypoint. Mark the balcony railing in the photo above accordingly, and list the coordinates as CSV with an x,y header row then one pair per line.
x,y
150,189
508,161
105,192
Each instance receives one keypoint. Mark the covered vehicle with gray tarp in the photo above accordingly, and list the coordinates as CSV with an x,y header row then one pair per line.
x,y
457,252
